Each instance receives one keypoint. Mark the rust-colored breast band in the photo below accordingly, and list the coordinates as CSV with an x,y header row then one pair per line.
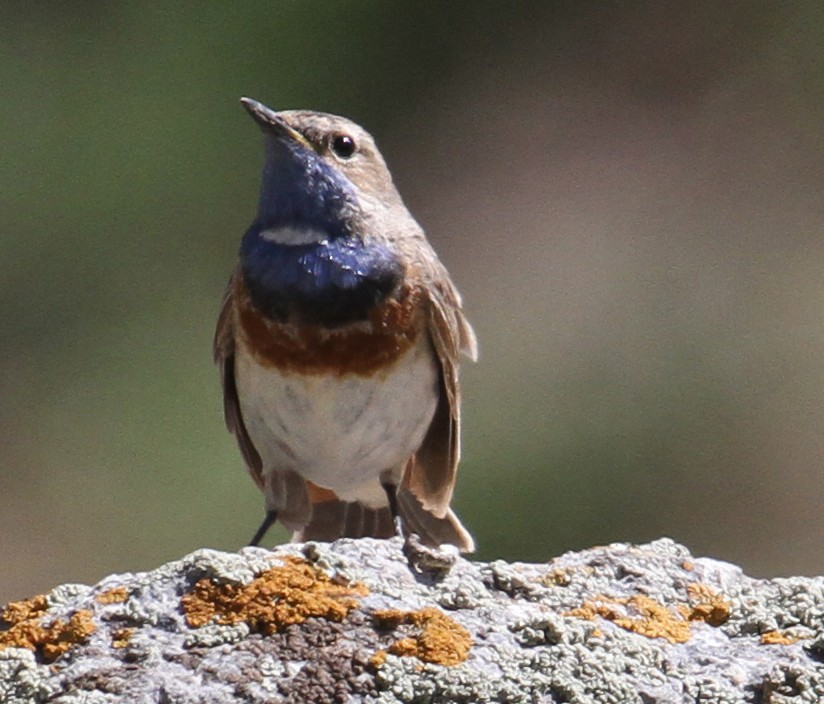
x,y
363,349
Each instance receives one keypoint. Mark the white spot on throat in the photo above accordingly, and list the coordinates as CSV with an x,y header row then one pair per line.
x,y
294,235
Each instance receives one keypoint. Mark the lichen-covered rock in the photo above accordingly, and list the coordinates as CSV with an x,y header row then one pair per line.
x,y
353,622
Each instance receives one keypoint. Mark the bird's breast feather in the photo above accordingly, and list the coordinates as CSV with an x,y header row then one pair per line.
x,y
363,348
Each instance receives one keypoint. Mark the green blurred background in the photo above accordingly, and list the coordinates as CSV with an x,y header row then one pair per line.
x,y
629,195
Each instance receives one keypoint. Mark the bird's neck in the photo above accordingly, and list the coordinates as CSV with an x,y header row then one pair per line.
x,y
316,278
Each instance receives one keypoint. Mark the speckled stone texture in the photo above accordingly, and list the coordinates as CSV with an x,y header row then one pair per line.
x,y
625,624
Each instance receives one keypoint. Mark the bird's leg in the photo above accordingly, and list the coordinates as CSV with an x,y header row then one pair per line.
x,y
269,519
391,491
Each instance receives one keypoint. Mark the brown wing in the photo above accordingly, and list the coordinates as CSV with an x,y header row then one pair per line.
x,y
224,355
431,473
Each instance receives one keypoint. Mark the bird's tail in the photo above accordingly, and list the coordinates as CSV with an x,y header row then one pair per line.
x,y
333,519
431,529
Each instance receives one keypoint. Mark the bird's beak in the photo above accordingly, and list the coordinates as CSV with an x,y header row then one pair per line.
x,y
270,121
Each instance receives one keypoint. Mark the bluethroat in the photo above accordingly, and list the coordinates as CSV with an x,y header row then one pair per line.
x,y
338,343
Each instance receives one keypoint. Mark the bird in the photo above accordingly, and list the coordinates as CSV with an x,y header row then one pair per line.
x,y
339,341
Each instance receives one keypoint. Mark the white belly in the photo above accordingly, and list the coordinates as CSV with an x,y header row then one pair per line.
x,y
340,432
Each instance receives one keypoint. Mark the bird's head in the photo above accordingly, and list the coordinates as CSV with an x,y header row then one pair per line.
x,y
322,178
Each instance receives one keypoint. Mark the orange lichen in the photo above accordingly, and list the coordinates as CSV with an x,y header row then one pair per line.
x,y
121,637
707,605
279,597
439,639
687,565
26,628
779,638
116,595
378,658
586,611
16,612
654,620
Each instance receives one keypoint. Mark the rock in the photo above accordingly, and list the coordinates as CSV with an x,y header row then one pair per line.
x,y
352,622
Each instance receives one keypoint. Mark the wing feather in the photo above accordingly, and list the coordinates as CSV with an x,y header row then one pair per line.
x,y
223,349
432,471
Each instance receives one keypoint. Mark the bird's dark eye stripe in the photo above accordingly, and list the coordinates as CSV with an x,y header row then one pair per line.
x,y
343,145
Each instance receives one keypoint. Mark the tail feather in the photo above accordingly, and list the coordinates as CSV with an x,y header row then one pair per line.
x,y
433,530
354,522
334,519
342,519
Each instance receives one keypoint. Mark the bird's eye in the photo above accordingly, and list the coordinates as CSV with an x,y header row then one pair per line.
x,y
343,146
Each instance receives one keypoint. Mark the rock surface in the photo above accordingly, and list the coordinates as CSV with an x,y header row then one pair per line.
x,y
352,622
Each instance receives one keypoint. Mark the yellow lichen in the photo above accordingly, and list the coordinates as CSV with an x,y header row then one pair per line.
x,y
557,577
439,639
26,628
649,618
116,595
280,596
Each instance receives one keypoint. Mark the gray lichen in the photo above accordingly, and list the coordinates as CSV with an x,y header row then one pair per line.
x,y
351,622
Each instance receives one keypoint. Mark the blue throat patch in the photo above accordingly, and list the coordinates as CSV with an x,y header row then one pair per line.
x,y
330,283
299,189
